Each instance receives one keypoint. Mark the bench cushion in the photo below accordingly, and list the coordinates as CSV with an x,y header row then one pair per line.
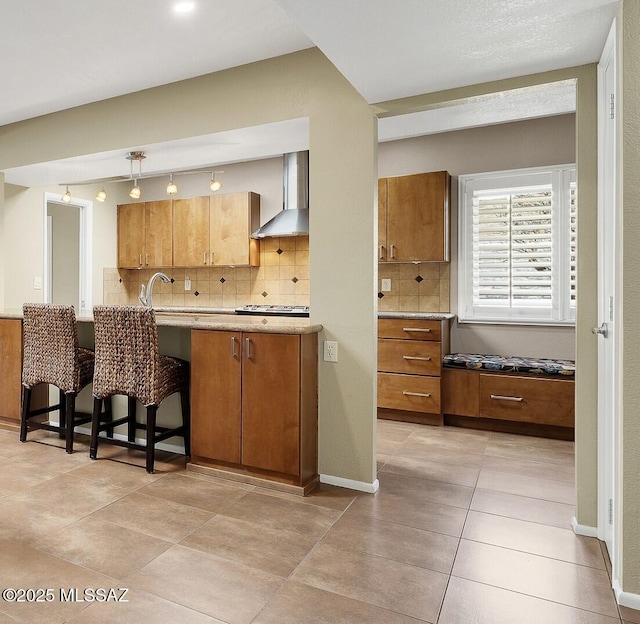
x,y
504,364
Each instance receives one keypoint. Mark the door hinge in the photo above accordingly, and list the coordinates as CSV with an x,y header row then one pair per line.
x,y
610,511
612,106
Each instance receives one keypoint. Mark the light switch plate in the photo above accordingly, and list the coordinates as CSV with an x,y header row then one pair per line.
x,y
386,285
37,283
187,284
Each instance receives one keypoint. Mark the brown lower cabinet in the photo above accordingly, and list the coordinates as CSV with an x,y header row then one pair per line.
x,y
254,403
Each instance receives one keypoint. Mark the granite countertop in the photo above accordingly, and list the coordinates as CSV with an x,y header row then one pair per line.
x,y
427,316
211,318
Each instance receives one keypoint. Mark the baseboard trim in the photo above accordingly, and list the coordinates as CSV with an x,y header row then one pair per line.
x,y
583,529
361,486
626,599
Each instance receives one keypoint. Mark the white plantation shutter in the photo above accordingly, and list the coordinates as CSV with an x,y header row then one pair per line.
x,y
518,246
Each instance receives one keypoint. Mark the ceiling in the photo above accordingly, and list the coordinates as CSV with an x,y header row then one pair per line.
x,y
64,53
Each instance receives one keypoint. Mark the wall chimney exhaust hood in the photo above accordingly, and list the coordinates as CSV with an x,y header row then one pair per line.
x,y
293,220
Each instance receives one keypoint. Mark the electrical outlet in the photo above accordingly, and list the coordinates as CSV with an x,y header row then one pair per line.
x,y
37,283
330,351
386,285
187,284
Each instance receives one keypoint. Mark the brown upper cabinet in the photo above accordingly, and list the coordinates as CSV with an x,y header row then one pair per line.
x,y
413,218
191,232
144,234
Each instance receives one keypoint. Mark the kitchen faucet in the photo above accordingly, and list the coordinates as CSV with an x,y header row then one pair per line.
x,y
146,295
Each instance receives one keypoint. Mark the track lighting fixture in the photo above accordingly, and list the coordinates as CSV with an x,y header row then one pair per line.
x,y
66,198
102,195
135,190
214,185
172,189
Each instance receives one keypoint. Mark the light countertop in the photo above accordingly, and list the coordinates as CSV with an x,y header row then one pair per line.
x,y
427,316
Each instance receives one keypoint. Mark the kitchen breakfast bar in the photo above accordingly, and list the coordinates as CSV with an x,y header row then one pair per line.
x,y
253,384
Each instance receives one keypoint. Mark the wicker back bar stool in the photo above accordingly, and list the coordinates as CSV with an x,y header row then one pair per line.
x,y
128,362
51,356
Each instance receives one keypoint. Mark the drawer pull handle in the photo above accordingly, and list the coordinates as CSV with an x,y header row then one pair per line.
x,y
416,329
499,397
381,253
415,357
418,394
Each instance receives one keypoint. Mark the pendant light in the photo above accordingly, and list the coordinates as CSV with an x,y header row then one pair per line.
x,y
172,189
102,195
66,198
135,190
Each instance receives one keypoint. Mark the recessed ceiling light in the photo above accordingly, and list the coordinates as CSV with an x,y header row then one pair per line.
x,y
184,7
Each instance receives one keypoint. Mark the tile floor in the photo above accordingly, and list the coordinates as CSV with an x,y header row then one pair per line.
x,y
468,528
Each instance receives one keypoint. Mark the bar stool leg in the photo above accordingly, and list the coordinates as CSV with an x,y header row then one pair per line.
x,y
131,423
62,411
108,416
70,409
95,426
186,421
26,404
151,436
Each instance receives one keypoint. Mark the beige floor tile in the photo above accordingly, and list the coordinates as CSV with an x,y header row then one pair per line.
x,y
388,447
531,448
394,431
468,602
544,489
435,491
329,496
523,508
142,608
117,474
154,516
573,585
630,616
165,461
433,453
275,551
297,603
20,475
462,443
226,590
392,585
381,460
7,619
104,547
605,556
31,568
433,470
410,511
538,539
424,549
309,521
207,494
527,468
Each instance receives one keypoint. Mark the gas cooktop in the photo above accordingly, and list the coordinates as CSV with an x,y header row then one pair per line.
x,y
273,310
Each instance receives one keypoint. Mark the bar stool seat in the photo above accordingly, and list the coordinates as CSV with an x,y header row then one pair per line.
x,y
51,355
128,362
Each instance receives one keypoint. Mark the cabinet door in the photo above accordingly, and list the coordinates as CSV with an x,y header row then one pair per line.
x,y
10,368
271,402
158,233
191,232
131,229
234,216
382,219
215,395
418,217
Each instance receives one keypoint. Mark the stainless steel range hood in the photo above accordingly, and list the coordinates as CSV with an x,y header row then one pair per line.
x,y
294,219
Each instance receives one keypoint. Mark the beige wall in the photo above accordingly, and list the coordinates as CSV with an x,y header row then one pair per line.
x,y
342,186
531,143
65,254
630,433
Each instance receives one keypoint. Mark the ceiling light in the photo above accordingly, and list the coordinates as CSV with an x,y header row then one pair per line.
x,y
135,190
172,189
66,198
214,184
184,7
102,195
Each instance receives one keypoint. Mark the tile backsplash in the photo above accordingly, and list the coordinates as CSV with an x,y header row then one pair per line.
x,y
420,287
281,279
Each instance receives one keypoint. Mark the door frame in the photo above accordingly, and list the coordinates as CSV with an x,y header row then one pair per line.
x,y
85,246
609,377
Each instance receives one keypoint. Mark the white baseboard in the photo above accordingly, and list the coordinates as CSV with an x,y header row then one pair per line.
x,y
626,599
583,529
350,484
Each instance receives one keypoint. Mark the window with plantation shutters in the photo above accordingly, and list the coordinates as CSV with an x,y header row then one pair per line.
x,y
517,250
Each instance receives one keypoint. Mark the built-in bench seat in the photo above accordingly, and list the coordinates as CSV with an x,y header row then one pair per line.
x,y
519,394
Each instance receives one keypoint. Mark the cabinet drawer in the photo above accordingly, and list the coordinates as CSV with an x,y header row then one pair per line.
x,y
527,399
408,329
409,392
416,357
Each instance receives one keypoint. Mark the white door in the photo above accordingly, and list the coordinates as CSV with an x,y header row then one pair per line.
x,y
608,301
